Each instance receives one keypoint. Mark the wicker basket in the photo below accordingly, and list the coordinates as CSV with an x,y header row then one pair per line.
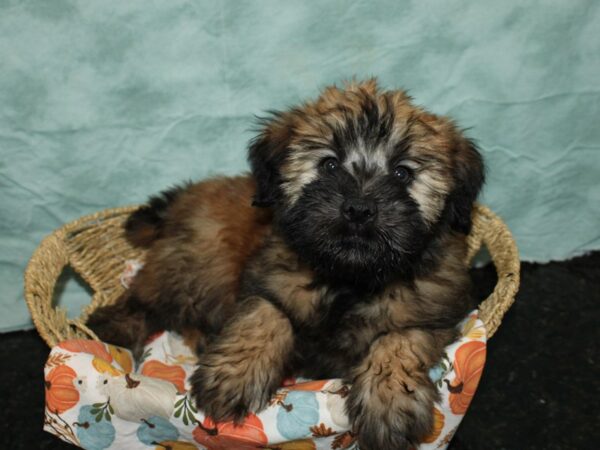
x,y
95,247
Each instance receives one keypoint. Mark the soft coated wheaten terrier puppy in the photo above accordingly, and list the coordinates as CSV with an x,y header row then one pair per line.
x,y
342,255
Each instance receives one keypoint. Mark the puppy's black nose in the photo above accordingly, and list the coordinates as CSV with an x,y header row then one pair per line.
x,y
359,210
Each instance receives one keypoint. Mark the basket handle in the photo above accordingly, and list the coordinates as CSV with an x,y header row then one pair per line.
x,y
43,270
491,231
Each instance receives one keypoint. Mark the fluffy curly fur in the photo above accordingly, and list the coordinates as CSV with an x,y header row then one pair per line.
x,y
350,263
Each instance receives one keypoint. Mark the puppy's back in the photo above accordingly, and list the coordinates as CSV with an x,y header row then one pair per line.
x,y
146,224
200,237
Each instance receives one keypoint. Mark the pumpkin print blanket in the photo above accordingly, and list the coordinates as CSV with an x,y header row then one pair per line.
x,y
96,398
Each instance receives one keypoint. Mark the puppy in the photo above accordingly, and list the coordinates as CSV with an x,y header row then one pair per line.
x,y
343,255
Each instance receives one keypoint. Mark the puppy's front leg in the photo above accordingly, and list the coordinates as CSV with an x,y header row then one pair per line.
x,y
391,401
246,364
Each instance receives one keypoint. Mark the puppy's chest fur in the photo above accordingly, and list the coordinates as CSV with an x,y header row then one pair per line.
x,y
334,325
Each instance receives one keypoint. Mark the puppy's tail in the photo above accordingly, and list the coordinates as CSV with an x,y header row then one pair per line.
x,y
146,224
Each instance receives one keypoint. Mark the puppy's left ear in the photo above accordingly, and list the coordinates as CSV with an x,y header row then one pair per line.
x,y
469,176
266,154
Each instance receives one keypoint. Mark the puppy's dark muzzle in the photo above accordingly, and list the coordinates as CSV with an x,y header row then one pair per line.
x,y
359,211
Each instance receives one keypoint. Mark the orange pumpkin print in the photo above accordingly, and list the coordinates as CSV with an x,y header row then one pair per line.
x,y
249,435
122,357
102,366
174,374
468,365
438,426
315,385
61,394
86,346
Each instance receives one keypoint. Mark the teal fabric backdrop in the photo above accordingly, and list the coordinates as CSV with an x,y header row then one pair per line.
x,y
105,102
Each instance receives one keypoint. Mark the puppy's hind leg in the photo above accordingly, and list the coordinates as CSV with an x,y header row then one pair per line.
x,y
123,323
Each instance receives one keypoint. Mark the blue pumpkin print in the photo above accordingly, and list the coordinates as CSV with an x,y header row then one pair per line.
x,y
299,412
156,429
93,434
436,373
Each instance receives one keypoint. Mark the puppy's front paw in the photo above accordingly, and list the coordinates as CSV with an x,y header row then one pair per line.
x,y
229,388
242,369
391,416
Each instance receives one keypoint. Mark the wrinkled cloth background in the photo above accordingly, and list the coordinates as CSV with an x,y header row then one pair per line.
x,y
104,103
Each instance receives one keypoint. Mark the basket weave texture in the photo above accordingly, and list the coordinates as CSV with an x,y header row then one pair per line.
x,y
96,248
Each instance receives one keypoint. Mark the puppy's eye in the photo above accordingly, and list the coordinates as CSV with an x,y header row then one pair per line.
x,y
403,173
330,164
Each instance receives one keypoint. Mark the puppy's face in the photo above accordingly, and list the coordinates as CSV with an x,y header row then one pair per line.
x,y
361,181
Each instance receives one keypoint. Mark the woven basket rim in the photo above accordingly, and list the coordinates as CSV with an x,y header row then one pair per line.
x,y
53,255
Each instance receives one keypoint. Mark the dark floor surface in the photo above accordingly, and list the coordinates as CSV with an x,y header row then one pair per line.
x,y
540,387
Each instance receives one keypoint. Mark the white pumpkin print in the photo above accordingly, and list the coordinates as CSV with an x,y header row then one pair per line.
x,y
135,397
336,403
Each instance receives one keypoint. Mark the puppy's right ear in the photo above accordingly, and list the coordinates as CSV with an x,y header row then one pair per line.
x,y
266,154
469,178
